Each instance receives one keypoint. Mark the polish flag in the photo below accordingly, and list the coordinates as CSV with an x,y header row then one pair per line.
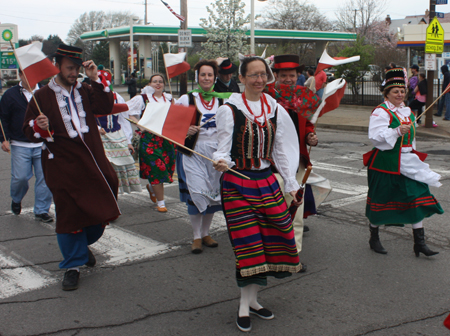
x,y
176,64
326,61
34,64
168,120
332,96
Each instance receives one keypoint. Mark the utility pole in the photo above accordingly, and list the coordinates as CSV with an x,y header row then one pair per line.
x,y
430,77
183,25
145,17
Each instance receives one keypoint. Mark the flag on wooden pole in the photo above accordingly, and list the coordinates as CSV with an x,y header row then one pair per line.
x,y
34,64
326,61
332,96
169,120
176,64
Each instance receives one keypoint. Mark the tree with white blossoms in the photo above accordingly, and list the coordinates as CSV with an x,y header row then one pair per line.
x,y
225,30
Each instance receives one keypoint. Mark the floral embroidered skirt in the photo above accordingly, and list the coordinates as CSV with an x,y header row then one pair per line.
x,y
156,159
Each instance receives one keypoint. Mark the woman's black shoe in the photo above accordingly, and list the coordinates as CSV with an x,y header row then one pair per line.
x,y
70,281
243,323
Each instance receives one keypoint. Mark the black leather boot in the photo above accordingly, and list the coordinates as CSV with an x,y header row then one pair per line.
x,y
419,243
374,241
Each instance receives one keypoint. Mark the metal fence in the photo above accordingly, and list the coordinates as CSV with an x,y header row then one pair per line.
x,y
368,93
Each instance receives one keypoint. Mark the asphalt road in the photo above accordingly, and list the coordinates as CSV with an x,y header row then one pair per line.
x,y
147,282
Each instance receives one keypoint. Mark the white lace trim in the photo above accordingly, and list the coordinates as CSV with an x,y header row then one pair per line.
x,y
64,109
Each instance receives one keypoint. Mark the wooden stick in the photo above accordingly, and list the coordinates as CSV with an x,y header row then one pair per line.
x,y
28,84
167,72
443,93
187,148
207,121
305,177
4,135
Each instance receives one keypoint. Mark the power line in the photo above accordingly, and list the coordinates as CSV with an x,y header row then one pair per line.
x,y
20,17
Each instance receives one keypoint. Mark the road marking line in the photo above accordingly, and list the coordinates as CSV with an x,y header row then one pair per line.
x,y
121,246
345,201
17,277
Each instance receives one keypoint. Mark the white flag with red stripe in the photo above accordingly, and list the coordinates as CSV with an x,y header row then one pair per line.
x,y
176,64
169,120
34,64
326,61
332,96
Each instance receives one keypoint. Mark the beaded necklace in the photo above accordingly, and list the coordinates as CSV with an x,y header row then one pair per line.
x,y
208,106
263,102
153,95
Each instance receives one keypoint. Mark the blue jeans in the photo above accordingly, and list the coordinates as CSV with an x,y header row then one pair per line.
x,y
23,160
74,246
320,93
446,100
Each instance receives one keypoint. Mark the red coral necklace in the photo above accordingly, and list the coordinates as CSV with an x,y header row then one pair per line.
x,y
208,106
153,95
263,102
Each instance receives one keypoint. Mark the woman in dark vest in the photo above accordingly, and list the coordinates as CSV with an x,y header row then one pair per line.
x,y
198,181
398,178
254,132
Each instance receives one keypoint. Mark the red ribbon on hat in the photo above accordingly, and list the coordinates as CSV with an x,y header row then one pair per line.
x,y
286,65
227,67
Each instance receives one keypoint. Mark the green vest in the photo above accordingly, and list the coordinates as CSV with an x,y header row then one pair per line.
x,y
388,161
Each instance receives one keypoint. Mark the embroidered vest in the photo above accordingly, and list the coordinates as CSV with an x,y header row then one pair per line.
x,y
388,161
191,140
247,149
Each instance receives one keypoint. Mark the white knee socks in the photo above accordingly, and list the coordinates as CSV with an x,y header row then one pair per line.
x,y
249,298
196,222
206,223
417,225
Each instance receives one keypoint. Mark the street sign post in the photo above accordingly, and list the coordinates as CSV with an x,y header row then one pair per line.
x,y
430,62
434,43
184,38
439,15
441,2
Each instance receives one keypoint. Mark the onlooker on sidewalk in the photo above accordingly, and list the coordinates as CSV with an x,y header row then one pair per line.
x,y
310,82
301,79
25,155
131,82
446,98
412,83
420,99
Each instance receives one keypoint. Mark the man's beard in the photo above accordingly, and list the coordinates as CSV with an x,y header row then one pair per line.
x,y
64,80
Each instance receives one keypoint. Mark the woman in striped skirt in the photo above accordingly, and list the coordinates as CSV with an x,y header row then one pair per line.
x,y
253,133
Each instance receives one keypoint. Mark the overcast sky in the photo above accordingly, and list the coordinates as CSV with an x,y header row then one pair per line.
x,y
47,17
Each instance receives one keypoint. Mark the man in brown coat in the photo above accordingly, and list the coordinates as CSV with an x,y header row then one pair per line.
x,y
76,170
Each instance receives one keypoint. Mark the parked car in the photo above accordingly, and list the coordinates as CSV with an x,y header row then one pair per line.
x,y
374,73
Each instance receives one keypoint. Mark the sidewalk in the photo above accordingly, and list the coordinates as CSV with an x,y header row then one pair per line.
x,y
355,118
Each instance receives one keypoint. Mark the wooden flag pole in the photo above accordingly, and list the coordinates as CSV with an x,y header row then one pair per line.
x,y
167,72
187,148
207,121
4,135
28,84
443,93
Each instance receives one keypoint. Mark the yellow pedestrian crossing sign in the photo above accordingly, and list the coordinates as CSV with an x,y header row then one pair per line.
x,y
434,43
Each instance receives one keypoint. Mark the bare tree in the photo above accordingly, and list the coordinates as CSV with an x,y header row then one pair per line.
x,y
94,20
294,15
359,15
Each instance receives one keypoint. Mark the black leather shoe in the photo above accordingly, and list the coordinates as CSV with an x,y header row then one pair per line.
x,y
16,208
305,228
92,261
43,218
70,281
263,313
438,115
243,323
